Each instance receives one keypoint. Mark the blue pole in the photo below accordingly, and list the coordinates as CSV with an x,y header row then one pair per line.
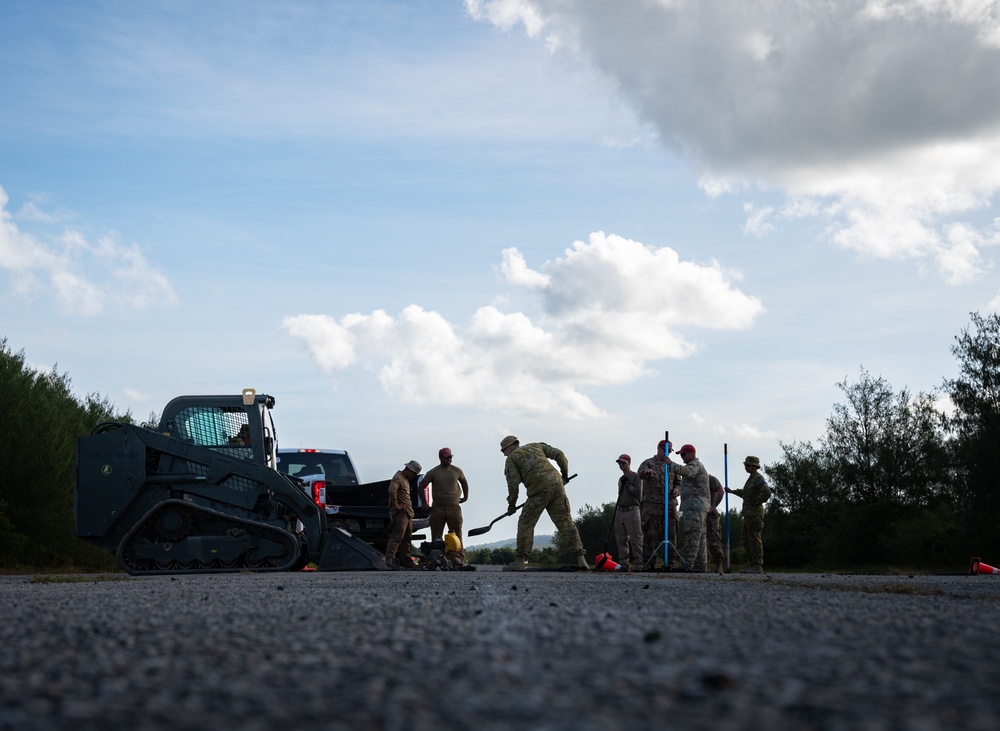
x,y
666,502
725,462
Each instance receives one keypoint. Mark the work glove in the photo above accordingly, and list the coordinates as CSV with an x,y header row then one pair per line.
x,y
511,509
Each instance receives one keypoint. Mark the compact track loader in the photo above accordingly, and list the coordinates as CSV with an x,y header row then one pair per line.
x,y
200,494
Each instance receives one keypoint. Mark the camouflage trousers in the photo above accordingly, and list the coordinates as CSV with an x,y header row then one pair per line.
x,y
713,534
550,499
695,545
628,536
753,526
652,534
400,536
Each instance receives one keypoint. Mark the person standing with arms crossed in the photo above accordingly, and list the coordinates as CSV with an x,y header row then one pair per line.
x,y
546,489
401,518
449,489
755,493
628,522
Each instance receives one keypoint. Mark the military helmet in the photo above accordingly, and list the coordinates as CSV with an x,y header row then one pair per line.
x,y
752,461
507,441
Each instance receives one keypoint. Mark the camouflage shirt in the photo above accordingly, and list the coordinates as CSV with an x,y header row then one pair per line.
x,y
754,493
530,464
651,472
694,487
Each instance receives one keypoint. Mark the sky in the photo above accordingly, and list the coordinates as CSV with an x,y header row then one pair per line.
x,y
421,224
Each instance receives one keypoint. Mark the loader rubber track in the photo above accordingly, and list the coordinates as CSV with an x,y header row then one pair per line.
x,y
161,543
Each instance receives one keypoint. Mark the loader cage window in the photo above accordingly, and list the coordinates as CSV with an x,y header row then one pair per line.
x,y
214,426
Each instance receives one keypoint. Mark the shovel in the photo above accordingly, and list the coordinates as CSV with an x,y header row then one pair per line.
x,y
486,528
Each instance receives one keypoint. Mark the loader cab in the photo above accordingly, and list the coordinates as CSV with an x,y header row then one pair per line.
x,y
226,424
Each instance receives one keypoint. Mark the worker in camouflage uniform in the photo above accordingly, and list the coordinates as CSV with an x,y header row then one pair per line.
x,y
401,518
695,502
713,531
546,490
651,473
755,493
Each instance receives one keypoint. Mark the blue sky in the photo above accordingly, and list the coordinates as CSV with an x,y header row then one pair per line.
x,y
427,224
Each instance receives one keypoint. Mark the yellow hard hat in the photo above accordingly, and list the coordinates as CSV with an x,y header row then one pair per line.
x,y
452,542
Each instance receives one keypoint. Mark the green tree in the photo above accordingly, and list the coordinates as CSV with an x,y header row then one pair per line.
x,y
885,446
41,424
975,393
803,477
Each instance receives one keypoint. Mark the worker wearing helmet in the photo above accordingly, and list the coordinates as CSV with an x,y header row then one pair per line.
x,y
546,490
449,488
755,493
695,504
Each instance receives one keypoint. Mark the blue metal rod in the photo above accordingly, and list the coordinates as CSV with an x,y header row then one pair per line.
x,y
666,502
725,462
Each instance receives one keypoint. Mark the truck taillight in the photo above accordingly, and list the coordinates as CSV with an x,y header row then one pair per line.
x,y
319,493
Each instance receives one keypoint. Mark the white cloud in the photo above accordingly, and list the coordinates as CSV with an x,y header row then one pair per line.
x,y
879,113
82,277
748,431
609,307
757,223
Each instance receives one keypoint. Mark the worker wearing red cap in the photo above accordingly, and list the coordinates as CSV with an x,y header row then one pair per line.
x,y
651,473
449,489
695,504
628,523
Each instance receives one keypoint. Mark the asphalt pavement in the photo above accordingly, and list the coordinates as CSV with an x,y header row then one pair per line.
x,y
488,650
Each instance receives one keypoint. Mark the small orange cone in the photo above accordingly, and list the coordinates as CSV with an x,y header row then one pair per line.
x,y
978,567
604,562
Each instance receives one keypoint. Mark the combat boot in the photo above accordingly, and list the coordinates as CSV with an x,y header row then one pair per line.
x,y
757,569
581,563
516,565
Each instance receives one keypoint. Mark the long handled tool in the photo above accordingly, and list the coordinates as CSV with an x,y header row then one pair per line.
x,y
725,458
486,528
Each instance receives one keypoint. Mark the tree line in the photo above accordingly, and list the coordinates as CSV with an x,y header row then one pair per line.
x,y
41,422
896,480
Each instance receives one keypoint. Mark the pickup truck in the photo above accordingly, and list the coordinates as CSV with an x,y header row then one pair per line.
x,y
362,509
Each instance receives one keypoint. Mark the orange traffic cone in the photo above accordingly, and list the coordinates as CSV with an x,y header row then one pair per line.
x,y
978,567
605,562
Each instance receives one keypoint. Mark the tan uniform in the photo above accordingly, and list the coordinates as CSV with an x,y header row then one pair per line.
x,y
446,492
529,464
401,519
628,524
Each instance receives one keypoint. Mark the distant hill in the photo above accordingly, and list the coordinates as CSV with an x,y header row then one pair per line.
x,y
540,543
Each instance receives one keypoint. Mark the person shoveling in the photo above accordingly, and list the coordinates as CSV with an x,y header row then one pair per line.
x,y
546,489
